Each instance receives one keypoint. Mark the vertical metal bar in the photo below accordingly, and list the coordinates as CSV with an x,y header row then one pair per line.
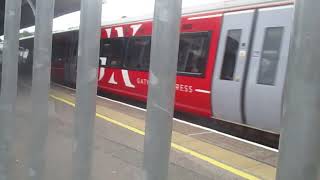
x,y
40,88
9,85
88,57
299,143
161,93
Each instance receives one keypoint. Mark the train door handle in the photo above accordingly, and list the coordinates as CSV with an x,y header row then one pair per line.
x,y
243,54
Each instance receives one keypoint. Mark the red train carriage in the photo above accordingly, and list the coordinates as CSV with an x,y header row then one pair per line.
x,y
125,57
214,75
231,62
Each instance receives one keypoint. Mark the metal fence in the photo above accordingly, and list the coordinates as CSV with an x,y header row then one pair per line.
x,y
166,23
296,162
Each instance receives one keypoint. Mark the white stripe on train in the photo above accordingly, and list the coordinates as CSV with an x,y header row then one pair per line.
x,y
126,78
202,91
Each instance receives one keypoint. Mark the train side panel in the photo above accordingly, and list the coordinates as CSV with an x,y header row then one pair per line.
x,y
193,88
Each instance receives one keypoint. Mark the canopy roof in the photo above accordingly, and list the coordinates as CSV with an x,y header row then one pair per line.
x,y
61,7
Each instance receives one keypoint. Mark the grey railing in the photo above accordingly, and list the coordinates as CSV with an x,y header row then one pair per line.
x,y
166,24
299,138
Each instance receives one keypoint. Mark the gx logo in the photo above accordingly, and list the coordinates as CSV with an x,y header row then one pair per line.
x,y
124,74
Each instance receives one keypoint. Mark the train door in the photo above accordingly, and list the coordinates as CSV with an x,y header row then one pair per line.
x,y
230,65
267,68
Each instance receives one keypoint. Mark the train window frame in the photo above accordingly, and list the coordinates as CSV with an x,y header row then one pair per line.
x,y
259,75
206,56
121,65
127,51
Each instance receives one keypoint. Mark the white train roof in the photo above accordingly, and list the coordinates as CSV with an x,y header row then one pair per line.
x,y
124,11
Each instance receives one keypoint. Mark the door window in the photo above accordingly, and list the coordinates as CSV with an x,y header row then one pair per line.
x,y
270,56
230,54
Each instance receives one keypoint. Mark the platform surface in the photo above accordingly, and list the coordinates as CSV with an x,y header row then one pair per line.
x,y
196,153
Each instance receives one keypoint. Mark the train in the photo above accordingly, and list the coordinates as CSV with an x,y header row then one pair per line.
x,y
231,63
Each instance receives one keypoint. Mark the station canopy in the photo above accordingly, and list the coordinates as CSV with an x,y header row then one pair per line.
x,y
61,7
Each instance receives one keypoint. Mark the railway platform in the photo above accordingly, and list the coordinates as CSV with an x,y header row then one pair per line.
x,y
196,152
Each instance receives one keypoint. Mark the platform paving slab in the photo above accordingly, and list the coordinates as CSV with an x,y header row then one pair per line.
x,y
117,152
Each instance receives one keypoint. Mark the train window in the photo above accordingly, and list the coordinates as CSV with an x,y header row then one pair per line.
x,y
113,50
59,52
270,55
230,54
193,52
26,48
138,53
64,47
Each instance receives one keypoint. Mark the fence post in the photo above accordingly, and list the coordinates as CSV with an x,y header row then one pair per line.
x,y
40,88
299,143
161,92
9,87
88,58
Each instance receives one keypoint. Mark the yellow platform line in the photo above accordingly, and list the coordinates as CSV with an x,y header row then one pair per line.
x,y
173,145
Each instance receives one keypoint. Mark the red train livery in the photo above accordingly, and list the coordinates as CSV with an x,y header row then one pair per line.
x,y
127,74
231,62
